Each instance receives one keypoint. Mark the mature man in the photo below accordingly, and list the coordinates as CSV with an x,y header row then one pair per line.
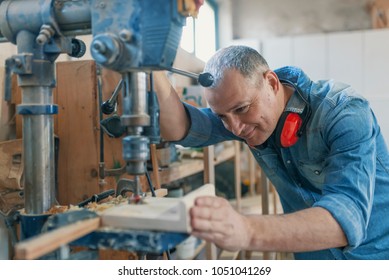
x,y
318,142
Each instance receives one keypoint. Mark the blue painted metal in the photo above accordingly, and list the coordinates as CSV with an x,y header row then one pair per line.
x,y
131,240
31,224
136,35
50,109
106,237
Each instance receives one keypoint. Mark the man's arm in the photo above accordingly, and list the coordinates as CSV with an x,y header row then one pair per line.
x,y
174,121
214,219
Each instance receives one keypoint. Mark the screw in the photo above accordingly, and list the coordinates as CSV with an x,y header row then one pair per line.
x,y
18,62
99,47
125,35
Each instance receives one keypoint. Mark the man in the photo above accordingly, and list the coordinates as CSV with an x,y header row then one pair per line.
x,y
318,142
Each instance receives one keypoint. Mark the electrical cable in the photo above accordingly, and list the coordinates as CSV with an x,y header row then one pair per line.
x,y
150,183
100,93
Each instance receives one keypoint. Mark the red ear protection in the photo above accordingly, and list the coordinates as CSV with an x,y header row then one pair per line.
x,y
290,130
291,124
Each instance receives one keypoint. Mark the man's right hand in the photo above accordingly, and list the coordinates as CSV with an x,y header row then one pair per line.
x,y
215,220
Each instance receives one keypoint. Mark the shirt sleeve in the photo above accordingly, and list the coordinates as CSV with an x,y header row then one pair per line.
x,y
205,128
351,132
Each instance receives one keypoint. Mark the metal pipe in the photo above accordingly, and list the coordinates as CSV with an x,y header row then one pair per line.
x,y
73,15
135,113
184,73
67,17
38,126
38,153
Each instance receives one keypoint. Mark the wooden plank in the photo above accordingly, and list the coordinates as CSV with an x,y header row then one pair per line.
x,y
227,255
77,131
166,214
252,170
78,128
11,172
47,242
6,112
158,193
198,250
181,169
238,188
225,155
187,167
17,99
154,162
209,165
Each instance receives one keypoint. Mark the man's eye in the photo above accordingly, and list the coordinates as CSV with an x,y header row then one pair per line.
x,y
243,109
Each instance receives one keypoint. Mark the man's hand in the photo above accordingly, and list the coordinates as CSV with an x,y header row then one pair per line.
x,y
213,219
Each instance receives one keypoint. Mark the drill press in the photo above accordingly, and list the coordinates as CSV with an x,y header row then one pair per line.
x,y
132,37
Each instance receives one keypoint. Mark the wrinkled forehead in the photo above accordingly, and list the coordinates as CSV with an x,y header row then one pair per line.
x,y
233,91
233,79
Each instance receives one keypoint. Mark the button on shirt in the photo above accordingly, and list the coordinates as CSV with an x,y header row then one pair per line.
x,y
340,163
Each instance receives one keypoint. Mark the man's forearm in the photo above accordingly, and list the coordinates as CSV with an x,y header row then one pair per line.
x,y
174,121
307,230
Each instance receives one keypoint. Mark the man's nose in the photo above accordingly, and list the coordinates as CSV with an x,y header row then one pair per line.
x,y
236,126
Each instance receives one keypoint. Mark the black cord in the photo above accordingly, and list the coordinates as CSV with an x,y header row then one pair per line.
x,y
100,93
169,257
150,183
151,81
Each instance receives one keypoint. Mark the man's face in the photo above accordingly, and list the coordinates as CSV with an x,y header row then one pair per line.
x,y
249,111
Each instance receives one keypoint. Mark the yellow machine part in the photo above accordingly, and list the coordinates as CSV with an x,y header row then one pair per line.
x,y
189,7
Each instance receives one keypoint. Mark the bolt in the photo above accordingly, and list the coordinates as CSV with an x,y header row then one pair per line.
x,y
101,5
45,34
99,47
125,35
17,62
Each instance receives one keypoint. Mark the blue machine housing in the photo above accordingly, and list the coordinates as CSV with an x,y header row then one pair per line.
x,y
138,35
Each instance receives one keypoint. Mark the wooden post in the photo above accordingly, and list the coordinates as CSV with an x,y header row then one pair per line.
x,y
209,177
252,169
265,203
238,187
154,162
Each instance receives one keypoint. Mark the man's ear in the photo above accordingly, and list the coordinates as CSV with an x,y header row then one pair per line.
x,y
272,78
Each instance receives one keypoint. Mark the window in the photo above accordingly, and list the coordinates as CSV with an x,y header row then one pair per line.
x,y
199,35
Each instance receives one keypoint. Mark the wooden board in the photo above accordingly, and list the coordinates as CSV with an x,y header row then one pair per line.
x,y
78,129
165,214
11,171
76,126
7,111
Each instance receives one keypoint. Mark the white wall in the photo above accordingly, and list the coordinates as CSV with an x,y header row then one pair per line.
x,y
264,19
359,58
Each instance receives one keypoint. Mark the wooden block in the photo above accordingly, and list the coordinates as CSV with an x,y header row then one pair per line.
x,y
158,193
11,172
165,214
40,245
228,255
6,112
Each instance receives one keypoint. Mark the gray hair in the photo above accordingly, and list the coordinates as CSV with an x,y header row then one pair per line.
x,y
242,58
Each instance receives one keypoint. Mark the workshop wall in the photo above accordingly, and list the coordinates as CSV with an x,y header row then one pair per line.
x,y
263,19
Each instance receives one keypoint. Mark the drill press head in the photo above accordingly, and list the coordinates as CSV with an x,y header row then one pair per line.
x,y
134,37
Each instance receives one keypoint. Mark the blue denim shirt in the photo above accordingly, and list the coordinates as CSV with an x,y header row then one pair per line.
x,y
340,163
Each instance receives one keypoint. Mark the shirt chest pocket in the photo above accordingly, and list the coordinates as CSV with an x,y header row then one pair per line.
x,y
313,171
